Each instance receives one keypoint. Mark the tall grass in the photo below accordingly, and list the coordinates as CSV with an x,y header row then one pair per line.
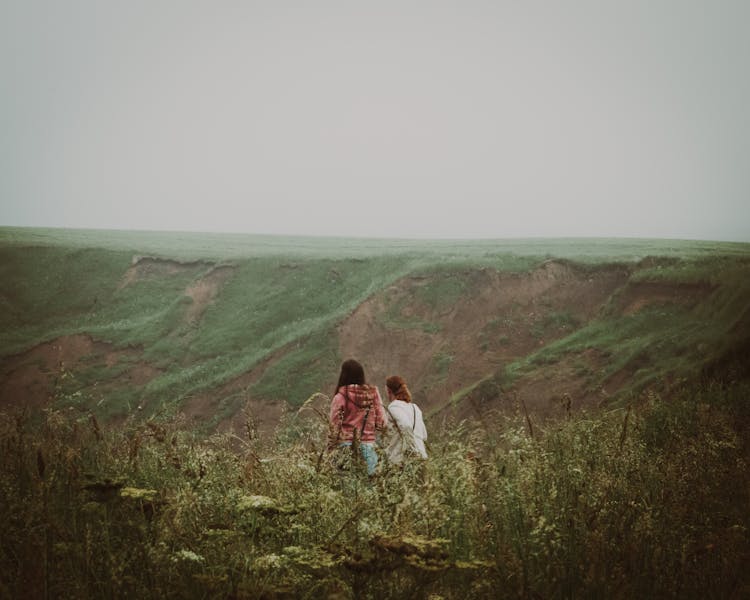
x,y
652,501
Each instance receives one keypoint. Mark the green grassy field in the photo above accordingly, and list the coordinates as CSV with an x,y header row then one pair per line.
x,y
646,495
224,246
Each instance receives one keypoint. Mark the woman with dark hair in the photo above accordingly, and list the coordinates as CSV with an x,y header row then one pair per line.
x,y
356,413
406,425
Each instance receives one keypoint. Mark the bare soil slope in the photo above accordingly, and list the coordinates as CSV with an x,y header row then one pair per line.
x,y
35,377
499,319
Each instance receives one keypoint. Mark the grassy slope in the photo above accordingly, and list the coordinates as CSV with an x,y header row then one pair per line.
x,y
658,343
672,339
287,295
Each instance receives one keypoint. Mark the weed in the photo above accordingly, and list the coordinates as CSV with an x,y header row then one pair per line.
x,y
652,501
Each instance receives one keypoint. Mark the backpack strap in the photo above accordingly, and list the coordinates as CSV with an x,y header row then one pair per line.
x,y
364,422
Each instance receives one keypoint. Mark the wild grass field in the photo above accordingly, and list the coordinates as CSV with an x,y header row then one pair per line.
x,y
160,397
649,502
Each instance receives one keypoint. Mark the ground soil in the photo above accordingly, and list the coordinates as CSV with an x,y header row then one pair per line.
x,y
639,295
257,416
503,318
205,290
39,375
146,267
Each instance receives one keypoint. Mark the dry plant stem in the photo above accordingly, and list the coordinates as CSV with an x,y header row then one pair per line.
x,y
592,507
349,521
624,432
308,402
323,418
528,419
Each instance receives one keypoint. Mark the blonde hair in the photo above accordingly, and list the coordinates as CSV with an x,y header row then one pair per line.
x,y
398,388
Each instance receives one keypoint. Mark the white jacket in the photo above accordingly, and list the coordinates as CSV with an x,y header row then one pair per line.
x,y
407,433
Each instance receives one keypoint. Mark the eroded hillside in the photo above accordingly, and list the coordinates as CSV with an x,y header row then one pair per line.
x,y
222,343
447,331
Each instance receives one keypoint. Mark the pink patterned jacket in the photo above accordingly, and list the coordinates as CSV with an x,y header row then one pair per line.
x,y
349,407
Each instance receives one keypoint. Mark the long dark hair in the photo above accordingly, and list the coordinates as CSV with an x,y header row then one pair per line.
x,y
351,372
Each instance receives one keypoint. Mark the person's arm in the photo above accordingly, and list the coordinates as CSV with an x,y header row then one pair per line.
x,y
337,408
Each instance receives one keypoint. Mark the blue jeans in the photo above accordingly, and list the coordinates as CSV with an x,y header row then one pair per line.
x,y
367,449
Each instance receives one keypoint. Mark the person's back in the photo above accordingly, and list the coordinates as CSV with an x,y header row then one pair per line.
x,y
407,431
356,413
356,410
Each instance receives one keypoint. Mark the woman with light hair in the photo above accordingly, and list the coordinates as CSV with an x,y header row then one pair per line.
x,y
406,429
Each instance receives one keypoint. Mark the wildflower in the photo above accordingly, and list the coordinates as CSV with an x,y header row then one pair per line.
x,y
261,504
268,562
188,556
311,558
138,494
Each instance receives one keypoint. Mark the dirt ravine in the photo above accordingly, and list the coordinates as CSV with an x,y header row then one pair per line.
x,y
204,291
501,318
144,267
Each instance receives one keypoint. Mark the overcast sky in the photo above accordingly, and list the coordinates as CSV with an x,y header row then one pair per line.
x,y
406,119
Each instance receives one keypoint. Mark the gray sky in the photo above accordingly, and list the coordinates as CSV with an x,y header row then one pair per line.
x,y
405,119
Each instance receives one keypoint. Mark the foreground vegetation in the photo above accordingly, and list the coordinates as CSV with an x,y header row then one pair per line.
x,y
645,502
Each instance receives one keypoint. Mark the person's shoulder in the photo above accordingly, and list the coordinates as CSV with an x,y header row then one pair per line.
x,y
371,390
